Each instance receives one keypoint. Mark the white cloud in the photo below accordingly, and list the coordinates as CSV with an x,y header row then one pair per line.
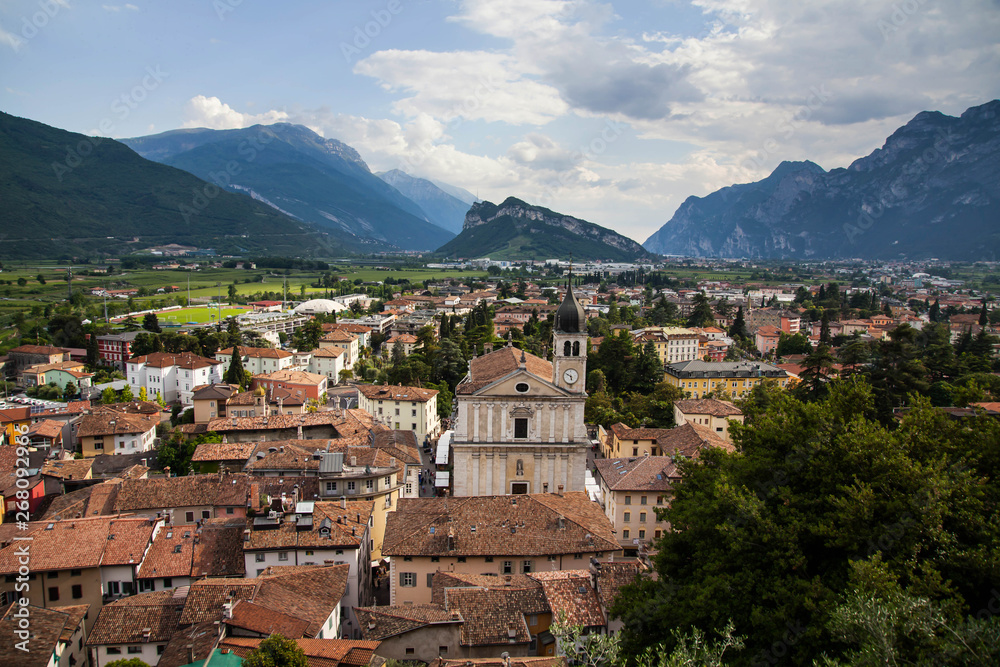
x,y
212,113
11,40
118,8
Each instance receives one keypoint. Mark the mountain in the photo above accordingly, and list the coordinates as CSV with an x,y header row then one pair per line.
x,y
461,194
441,208
321,181
932,190
516,230
68,194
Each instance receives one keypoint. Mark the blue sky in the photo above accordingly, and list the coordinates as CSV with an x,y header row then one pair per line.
x,y
610,111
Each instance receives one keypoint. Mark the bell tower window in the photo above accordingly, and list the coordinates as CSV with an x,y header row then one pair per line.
x,y
566,349
576,348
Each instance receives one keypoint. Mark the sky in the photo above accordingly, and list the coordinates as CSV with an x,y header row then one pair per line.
x,y
611,111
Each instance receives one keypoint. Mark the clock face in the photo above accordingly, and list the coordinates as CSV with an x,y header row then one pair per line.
x,y
570,376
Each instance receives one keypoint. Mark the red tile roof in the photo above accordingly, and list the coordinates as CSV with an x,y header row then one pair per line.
x,y
491,367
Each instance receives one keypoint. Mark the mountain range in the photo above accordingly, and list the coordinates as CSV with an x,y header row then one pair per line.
x,y
443,209
517,230
67,194
311,178
932,190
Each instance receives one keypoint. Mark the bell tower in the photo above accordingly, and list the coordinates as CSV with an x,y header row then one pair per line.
x,y
569,340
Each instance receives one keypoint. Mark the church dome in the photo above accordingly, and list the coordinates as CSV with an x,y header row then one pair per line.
x,y
259,391
570,317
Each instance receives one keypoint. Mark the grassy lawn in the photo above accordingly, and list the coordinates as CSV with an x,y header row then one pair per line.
x,y
200,315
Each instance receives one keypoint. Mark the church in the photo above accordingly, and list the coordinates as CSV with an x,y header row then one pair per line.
x,y
520,426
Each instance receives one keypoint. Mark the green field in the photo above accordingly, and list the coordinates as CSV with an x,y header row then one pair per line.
x,y
201,315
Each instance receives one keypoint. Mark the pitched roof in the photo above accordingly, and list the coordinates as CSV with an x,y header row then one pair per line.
x,y
200,637
256,618
218,551
170,554
257,352
320,652
331,527
388,392
611,577
487,526
687,439
207,596
541,661
217,391
212,490
443,581
490,367
306,593
93,544
220,451
47,627
37,349
187,360
378,623
47,428
68,469
571,597
119,418
645,473
274,422
490,617
339,336
707,406
127,620
289,376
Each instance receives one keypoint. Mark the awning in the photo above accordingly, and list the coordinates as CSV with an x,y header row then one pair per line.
x,y
441,479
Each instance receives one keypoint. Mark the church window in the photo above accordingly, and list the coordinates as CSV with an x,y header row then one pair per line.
x,y
520,428
521,387
576,348
566,349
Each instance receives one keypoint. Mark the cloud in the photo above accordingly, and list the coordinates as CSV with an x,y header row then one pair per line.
x,y
212,113
11,40
118,8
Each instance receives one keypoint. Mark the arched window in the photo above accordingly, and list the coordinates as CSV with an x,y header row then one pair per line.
x,y
566,349
576,348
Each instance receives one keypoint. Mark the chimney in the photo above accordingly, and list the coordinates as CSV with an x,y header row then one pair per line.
x,y
560,489
343,502
190,653
487,348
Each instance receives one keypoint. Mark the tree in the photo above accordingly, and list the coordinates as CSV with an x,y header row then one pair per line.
x,y
126,662
151,323
738,329
41,279
126,394
108,396
307,336
22,281
143,394
767,535
231,293
935,311
235,374
789,344
159,399
817,369
277,651
983,315
824,328
701,314
70,389
93,355
131,324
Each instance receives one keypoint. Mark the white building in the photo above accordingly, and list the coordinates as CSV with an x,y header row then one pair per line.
x,y
258,360
328,361
402,408
174,376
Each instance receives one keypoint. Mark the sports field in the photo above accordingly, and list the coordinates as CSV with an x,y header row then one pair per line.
x,y
198,314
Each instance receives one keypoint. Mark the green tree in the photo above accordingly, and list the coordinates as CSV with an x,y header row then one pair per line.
x,y
738,329
151,323
276,651
126,394
93,355
983,315
41,279
236,374
70,389
143,394
816,372
126,662
21,281
793,344
307,336
130,323
702,314
108,396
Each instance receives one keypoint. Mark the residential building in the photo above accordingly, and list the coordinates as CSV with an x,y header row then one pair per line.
x,y
55,636
173,376
407,344
136,627
783,320
24,356
632,489
216,401
360,330
672,344
230,457
346,341
119,428
114,349
520,426
183,553
314,533
712,413
60,373
686,440
767,339
257,360
301,383
309,425
491,534
327,361
698,378
185,499
402,408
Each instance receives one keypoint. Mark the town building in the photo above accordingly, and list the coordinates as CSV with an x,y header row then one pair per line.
x,y
114,349
172,376
257,360
698,378
402,408
327,361
501,535
119,428
712,413
347,342
672,344
23,356
520,426
301,384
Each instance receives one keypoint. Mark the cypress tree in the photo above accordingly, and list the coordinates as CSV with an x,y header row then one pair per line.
x,y
235,373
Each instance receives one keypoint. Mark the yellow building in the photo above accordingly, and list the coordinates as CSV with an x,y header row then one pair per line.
x,y
698,378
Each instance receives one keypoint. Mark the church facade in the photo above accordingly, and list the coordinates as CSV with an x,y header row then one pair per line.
x,y
520,426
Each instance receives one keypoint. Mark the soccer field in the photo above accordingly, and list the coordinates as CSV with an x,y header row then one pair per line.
x,y
201,315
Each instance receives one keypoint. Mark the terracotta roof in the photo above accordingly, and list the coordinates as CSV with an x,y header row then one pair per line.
x,y
571,597
487,526
293,377
216,391
401,444
320,652
346,528
644,473
378,623
170,554
232,451
339,336
119,418
69,469
273,422
211,490
612,576
127,620
218,552
47,428
47,627
350,328
256,618
407,339
309,593
257,352
200,637
687,439
490,367
75,615
443,581
707,406
92,545
37,349
388,392
332,352
206,597
490,617
187,360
